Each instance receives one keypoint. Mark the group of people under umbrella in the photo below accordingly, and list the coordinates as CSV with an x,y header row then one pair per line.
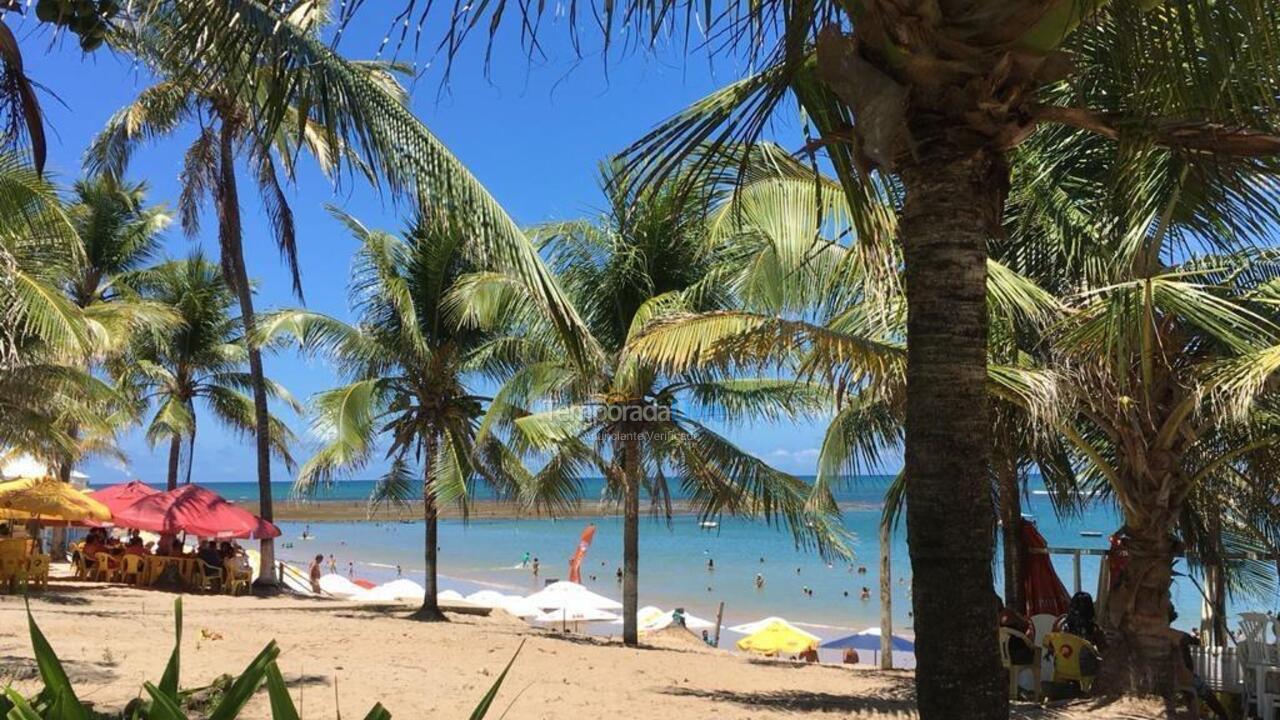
x,y
190,511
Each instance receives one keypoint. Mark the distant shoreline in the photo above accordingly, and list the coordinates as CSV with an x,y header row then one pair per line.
x,y
358,511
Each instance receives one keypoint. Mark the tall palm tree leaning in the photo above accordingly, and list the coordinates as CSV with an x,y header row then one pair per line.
x,y
408,360
202,359
225,110
625,418
264,83
939,93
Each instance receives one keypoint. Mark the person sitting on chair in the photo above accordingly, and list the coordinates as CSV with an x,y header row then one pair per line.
x,y
1191,685
135,547
210,556
1020,652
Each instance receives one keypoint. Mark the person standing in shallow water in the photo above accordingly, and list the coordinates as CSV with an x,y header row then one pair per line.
x,y
535,567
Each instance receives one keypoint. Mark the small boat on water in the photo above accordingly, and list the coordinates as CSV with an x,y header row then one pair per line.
x,y
708,524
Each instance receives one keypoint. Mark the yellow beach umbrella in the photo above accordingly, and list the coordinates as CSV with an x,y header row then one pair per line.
x,y
779,636
48,500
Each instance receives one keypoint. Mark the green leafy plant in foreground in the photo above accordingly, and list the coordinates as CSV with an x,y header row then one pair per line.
x,y
165,701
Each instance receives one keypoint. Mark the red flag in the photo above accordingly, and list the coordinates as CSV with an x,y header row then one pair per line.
x,y
575,562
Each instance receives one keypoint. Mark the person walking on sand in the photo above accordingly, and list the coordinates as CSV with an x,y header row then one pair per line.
x,y
315,573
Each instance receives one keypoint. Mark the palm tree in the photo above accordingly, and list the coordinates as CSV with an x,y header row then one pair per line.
x,y
938,95
226,114
45,339
345,113
120,234
409,362
625,418
202,360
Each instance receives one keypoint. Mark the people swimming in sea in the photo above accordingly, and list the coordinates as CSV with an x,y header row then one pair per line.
x,y
399,571
866,593
619,574
306,533
711,565
805,590
862,569
759,581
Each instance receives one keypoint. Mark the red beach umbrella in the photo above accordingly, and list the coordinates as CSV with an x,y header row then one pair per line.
x,y
195,511
119,497
1041,586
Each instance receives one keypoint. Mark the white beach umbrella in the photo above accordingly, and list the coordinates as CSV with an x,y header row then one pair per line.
x,y
757,626
651,619
568,594
576,611
581,615
520,607
487,598
339,586
394,591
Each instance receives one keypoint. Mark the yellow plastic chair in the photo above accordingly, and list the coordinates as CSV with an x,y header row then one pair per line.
x,y
236,580
1015,671
10,572
132,569
1067,650
78,564
207,577
38,570
102,566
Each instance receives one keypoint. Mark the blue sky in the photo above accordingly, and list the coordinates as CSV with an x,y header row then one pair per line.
x,y
533,132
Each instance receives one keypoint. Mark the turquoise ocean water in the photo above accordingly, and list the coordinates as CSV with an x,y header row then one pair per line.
x,y
673,558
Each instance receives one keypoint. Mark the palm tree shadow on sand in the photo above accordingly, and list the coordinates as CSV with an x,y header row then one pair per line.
x,y
896,698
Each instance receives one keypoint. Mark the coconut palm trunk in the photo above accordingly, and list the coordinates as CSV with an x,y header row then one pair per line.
x,y
953,199
430,610
175,452
1006,470
631,542
230,238
1140,658
886,596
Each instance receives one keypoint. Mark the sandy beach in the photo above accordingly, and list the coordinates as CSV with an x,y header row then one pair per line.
x,y
347,656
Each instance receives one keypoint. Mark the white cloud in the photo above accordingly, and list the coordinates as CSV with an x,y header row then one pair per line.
x,y
802,459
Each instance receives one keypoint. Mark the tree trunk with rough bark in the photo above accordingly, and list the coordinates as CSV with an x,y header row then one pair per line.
x,y
175,452
630,543
230,238
430,610
886,596
1141,656
1006,468
953,202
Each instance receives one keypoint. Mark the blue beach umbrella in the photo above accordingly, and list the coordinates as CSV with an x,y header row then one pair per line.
x,y
869,639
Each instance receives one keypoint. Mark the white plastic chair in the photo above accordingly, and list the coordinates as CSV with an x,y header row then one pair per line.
x,y
1015,671
1043,623
1258,661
